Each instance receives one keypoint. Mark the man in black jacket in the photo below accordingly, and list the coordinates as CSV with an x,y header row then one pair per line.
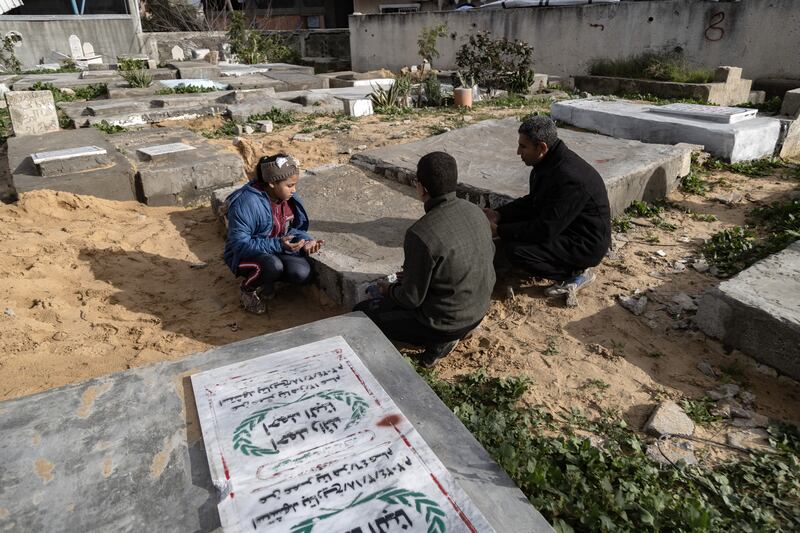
x,y
563,227
447,278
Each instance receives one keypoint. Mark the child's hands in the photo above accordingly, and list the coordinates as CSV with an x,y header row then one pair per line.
x,y
290,246
312,247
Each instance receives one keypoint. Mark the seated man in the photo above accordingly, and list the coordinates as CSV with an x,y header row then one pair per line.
x,y
563,227
446,284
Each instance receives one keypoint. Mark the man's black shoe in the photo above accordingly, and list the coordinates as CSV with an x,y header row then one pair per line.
x,y
434,352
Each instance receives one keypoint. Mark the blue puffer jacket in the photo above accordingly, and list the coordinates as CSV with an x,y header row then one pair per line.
x,y
250,223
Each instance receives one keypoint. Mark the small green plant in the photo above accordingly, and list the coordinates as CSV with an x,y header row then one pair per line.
x,y
661,66
598,384
438,129
64,122
186,89
703,217
773,105
228,129
109,128
427,39
755,169
694,184
89,92
497,63
252,46
393,98
647,97
551,348
621,224
700,410
128,64
137,78
731,250
279,117
639,208
433,91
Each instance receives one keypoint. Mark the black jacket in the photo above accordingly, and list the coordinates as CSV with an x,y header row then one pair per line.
x,y
448,271
567,210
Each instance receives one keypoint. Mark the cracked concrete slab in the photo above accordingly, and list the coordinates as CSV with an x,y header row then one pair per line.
x,y
490,172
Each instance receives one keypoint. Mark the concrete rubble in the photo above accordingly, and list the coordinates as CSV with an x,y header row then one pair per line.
x,y
669,419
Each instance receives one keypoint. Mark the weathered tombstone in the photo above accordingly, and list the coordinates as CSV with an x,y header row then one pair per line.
x,y
70,160
163,151
357,107
75,49
318,410
32,112
177,53
88,49
712,113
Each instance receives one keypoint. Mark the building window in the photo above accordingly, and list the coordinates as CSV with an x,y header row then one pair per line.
x,y
399,8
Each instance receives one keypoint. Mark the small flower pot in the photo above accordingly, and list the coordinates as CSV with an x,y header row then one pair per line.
x,y
463,97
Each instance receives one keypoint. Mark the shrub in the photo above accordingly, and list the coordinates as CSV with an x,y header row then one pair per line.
x,y
186,89
393,98
128,64
8,58
90,92
252,46
137,78
427,41
433,91
277,116
661,66
497,63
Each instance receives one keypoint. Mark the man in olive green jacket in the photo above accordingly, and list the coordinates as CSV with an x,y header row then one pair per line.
x,y
445,287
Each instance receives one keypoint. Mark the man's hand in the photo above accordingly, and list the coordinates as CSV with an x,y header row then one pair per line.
x,y
312,247
492,215
493,227
292,247
383,287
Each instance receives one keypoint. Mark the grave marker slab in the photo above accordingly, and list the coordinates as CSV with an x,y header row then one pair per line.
x,y
70,160
358,107
164,151
177,53
88,49
75,48
297,433
722,114
32,112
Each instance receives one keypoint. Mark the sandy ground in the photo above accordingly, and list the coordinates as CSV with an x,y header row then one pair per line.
x,y
92,287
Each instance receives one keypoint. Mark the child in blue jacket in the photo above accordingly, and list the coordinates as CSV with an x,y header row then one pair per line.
x,y
267,232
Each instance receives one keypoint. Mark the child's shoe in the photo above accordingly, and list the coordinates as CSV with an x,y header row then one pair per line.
x,y
252,302
580,281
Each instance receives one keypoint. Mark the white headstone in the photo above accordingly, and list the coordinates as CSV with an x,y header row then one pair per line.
x,y
164,150
359,107
177,53
711,113
68,153
75,49
88,49
32,112
308,439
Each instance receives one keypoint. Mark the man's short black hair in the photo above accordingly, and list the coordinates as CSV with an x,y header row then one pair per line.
x,y
438,173
539,129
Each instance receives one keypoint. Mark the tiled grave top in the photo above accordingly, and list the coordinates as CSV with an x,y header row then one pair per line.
x,y
160,150
725,115
68,153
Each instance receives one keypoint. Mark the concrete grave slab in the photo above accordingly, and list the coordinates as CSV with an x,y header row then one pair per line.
x,y
296,81
490,172
287,67
758,311
742,141
162,151
125,451
179,177
255,82
113,181
235,71
721,114
791,104
241,112
70,160
362,220
32,112
65,80
108,107
352,92
195,70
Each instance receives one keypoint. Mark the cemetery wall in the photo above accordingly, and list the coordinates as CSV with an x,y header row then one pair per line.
x,y
110,35
760,36
307,43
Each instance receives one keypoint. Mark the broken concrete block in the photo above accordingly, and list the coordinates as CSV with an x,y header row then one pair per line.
x,y
672,451
669,419
791,104
303,137
358,108
726,74
265,126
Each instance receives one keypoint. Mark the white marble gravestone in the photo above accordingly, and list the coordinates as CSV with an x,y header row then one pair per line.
x,y
75,48
307,439
32,112
177,53
712,113
69,153
88,49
